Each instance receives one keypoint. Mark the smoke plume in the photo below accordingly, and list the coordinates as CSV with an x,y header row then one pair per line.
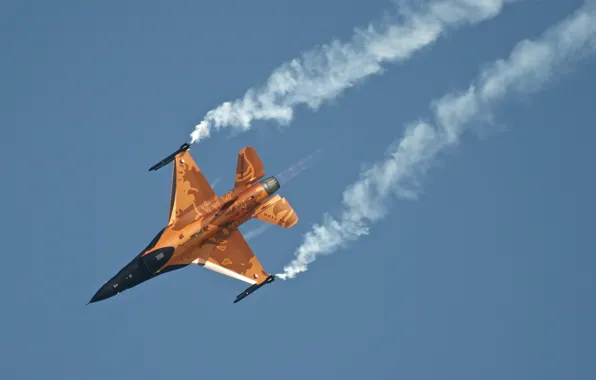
x,y
325,72
251,234
530,66
303,164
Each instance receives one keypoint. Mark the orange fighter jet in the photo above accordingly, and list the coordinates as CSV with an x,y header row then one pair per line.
x,y
203,228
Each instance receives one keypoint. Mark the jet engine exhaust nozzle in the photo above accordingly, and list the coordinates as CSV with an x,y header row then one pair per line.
x,y
271,185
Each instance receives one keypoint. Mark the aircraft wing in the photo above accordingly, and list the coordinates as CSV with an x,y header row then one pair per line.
x,y
189,190
249,167
233,257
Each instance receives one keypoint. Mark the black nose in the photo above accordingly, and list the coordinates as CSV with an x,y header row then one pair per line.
x,y
104,292
131,275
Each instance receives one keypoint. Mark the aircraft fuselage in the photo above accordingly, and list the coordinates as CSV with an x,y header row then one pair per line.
x,y
174,247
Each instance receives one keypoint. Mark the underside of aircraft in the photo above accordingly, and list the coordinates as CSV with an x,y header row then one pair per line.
x,y
202,227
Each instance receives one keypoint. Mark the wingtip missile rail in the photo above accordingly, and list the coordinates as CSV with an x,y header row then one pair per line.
x,y
170,158
253,288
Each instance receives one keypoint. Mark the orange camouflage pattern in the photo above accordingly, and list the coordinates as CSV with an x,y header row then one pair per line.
x,y
249,167
277,210
203,228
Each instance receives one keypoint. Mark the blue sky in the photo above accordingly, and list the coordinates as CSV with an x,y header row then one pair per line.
x,y
487,274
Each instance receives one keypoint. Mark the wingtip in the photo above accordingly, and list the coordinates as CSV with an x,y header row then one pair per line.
x,y
184,147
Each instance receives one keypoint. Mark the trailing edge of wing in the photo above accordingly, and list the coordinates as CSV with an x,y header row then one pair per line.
x,y
233,257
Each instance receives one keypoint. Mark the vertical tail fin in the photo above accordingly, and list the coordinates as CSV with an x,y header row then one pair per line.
x,y
249,167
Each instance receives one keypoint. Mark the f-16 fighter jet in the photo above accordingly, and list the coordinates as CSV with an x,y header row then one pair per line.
x,y
203,228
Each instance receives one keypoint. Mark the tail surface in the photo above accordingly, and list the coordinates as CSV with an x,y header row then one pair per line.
x,y
278,211
249,167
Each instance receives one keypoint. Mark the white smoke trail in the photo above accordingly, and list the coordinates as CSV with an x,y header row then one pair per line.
x,y
215,182
296,169
256,232
324,73
530,66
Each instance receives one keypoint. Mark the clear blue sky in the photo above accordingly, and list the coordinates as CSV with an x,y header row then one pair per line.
x,y
489,275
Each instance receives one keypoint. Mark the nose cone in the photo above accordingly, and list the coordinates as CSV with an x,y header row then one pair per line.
x,y
131,275
104,292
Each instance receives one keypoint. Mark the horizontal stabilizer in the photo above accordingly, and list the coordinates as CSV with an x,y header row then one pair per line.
x,y
277,211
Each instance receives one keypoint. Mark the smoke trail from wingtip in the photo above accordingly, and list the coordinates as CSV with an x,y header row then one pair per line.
x,y
325,72
530,66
